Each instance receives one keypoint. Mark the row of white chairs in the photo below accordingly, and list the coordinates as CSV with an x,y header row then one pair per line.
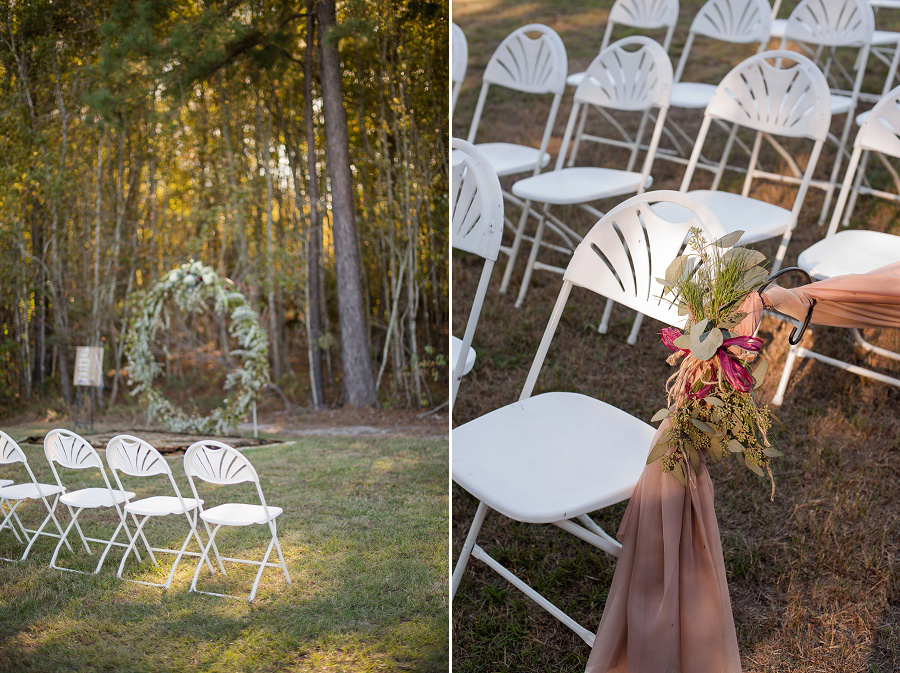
x,y
533,60
558,457
477,227
131,457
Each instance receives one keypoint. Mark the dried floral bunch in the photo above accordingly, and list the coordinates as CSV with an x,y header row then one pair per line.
x,y
712,409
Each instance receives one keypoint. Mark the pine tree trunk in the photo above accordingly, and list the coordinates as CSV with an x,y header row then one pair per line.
x,y
359,383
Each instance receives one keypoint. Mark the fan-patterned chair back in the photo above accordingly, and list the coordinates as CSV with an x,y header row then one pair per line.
x,y
832,23
476,202
71,451
135,457
10,451
634,73
218,463
789,97
530,64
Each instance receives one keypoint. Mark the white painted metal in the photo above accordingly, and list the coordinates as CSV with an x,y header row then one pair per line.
x,y
854,250
476,204
728,21
73,452
780,93
532,60
13,495
218,463
633,74
828,25
460,55
137,458
554,457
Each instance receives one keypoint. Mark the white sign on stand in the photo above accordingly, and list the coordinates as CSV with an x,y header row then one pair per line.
x,y
89,367
88,374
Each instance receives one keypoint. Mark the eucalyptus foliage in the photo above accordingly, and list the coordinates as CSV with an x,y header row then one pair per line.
x,y
192,286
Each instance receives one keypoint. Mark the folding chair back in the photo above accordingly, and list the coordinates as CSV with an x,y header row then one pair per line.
x,y
632,74
832,23
10,452
477,227
732,21
643,15
460,61
529,64
785,100
135,457
622,256
70,450
217,463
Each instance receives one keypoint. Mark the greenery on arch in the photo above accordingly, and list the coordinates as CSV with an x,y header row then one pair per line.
x,y
192,286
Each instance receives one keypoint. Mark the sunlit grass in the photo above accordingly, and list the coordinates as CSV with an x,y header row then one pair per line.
x,y
364,536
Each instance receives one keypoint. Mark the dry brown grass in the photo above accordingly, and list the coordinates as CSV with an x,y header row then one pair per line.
x,y
812,576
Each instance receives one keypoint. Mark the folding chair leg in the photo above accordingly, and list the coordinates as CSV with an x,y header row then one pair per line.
x,y
262,567
785,375
123,524
51,516
287,575
532,257
468,545
144,540
8,520
80,532
603,327
635,329
514,250
62,540
140,525
838,162
203,556
215,549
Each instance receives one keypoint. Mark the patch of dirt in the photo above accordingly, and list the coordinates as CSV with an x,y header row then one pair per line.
x,y
165,442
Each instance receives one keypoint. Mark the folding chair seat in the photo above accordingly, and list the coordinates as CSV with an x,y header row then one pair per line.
x,y
532,61
217,463
137,458
460,62
631,75
73,452
555,457
477,228
13,495
854,250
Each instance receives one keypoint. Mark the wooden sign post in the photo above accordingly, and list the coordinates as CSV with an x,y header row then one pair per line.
x,y
88,374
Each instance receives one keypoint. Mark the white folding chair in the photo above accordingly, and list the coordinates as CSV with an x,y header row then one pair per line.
x,y
826,26
780,93
854,250
218,463
631,75
13,495
476,204
641,15
137,458
730,22
460,62
554,457
73,452
531,60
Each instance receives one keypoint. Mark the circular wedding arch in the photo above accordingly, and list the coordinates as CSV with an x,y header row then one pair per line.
x,y
191,286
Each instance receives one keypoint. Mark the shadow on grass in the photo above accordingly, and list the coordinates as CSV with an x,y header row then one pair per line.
x,y
364,535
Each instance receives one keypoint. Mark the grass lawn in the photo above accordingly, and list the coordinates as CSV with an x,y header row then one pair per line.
x,y
813,576
364,534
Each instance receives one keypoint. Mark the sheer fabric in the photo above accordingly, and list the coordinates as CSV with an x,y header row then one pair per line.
x,y
668,609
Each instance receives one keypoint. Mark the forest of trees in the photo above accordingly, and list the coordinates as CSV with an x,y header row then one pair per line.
x,y
296,147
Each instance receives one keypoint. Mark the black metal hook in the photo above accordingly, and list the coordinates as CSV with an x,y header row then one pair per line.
x,y
796,334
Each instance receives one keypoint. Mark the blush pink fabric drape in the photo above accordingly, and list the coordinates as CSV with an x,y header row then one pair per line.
x,y
668,609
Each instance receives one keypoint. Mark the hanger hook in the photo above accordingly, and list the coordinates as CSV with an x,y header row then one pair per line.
x,y
796,334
